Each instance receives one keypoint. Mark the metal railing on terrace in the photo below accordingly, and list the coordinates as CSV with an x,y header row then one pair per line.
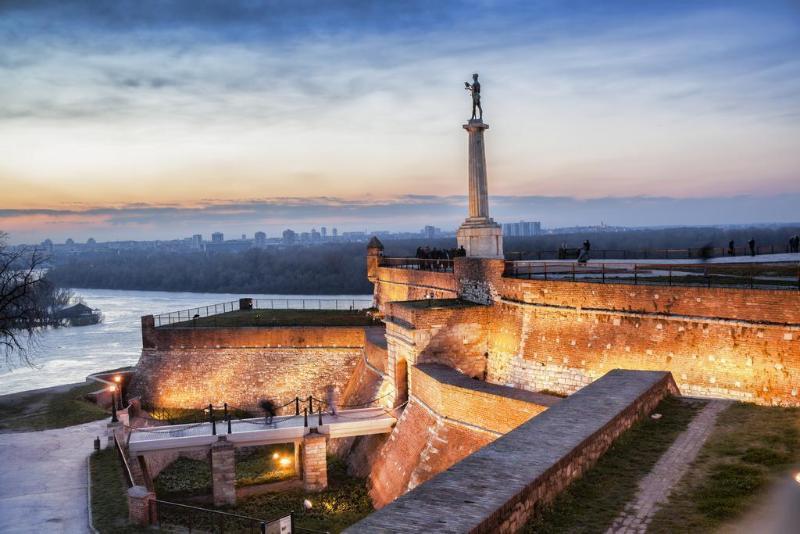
x,y
734,275
192,314
647,253
197,519
419,264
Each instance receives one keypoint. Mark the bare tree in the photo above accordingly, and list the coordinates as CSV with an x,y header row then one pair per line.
x,y
25,301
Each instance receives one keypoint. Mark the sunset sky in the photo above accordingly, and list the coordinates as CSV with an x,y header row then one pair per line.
x,y
145,120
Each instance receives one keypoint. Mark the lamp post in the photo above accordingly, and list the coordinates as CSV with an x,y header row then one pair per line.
x,y
113,389
118,382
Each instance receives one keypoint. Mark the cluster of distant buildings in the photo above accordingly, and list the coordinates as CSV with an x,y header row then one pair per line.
x,y
218,243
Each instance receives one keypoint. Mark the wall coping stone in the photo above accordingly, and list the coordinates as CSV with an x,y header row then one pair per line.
x,y
462,498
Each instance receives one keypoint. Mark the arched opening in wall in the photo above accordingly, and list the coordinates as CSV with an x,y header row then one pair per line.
x,y
401,381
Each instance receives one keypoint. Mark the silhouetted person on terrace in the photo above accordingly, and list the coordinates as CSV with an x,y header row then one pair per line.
x,y
794,244
706,251
269,410
462,252
752,245
731,248
583,255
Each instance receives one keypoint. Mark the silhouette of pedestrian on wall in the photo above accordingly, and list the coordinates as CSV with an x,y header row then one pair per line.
x,y
794,244
269,410
731,248
706,251
583,256
752,245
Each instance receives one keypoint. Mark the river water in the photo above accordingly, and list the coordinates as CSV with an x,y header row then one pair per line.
x,y
66,355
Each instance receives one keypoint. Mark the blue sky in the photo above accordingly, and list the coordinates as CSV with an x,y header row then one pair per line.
x,y
115,116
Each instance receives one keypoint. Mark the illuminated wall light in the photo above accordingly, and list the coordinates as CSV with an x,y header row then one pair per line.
x,y
275,456
285,462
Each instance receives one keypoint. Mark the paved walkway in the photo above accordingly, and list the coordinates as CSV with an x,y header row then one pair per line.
x,y
43,479
670,468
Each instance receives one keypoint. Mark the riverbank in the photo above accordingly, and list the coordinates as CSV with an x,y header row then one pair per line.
x,y
69,355
49,408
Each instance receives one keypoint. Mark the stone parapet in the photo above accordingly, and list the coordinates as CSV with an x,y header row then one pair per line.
x,y
749,305
460,398
251,337
499,487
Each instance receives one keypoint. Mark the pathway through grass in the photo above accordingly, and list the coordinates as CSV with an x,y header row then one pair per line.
x,y
592,503
749,448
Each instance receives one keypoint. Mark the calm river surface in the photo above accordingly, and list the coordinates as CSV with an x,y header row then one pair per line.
x,y
66,355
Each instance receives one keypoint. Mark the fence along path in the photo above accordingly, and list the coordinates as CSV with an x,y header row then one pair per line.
x,y
257,431
179,316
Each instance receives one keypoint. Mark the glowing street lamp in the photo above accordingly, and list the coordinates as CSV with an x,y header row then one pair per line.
x,y
113,389
118,382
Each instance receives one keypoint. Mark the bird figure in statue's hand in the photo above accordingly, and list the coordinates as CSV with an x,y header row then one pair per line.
x,y
475,89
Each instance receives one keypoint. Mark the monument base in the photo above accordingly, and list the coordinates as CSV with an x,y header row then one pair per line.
x,y
481,238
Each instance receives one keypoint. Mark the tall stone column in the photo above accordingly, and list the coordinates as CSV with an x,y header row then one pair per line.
x,y
480,236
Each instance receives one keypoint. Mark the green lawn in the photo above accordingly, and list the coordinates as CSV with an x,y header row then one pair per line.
x,y
749,447
242,318
591,503
109,498
51,408
342,504
188,478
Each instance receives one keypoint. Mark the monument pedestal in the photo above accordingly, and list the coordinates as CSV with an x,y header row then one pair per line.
x,y
481,238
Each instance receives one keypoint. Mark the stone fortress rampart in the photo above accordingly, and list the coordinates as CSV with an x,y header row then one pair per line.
x,y
732,343
470,359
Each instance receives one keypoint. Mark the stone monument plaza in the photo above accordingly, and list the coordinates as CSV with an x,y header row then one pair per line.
x,y
480,236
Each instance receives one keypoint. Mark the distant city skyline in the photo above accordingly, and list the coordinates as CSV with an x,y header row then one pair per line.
x,y
126,121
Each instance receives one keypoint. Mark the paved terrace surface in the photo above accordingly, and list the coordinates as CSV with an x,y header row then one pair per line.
x,y
461,498
43,482
760,258
252,432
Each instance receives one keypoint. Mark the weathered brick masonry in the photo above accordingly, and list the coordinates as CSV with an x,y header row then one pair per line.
x,y
499,487
731,343
448,417
393,285
191,367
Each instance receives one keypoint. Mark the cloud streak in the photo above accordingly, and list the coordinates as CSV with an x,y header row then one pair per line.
x,y
176,102
406,213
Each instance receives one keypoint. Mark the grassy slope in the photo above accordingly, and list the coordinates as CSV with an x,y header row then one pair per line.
x,y
342,504
750,445
282,318
109,500
592,503
50,408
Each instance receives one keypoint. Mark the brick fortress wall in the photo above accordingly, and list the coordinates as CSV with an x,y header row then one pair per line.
x,y
448,417
192,367
733,343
